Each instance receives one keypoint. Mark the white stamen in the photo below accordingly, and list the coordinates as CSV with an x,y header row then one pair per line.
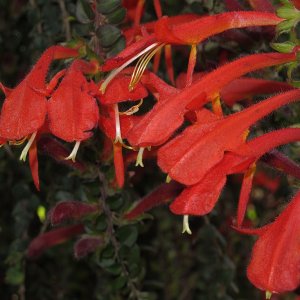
x,y
186,226
27,147
115,72
73,154
118,137
139,158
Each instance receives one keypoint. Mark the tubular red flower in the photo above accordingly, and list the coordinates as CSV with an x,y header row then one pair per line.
x,y
275,260
170,31
71,210
52,238
166,116
200,199
24,109
190,155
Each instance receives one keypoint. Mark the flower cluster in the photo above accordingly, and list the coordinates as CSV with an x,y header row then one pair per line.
x,y
210,145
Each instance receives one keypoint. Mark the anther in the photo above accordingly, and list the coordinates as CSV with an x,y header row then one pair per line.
x,y
141,66
168,179
132,110
115,72
268,295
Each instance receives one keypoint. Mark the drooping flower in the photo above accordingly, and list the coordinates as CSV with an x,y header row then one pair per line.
x,y
24,109
116,124
200,199
72,110
274,265
52,238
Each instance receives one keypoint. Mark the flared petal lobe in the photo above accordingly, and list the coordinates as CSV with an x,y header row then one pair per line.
x,y
275,261
72,111
24,109
171,31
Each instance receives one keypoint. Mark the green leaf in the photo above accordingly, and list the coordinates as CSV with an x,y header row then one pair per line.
x,y
105,263
114,269
108,6
288,12
101,223
286,47
117,16
108,252
115,202
108,35
86,5
81,15
119,283
285,26
127,235
120,45
14,276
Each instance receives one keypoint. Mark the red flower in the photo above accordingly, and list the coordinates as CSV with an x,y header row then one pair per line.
x,y
167,115
52,238
274,265
24,109
189,156
190,32
200,199
186,30
72,110
118,90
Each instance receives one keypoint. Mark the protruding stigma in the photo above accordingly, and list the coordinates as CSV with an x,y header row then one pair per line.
x,y
139,158
115,72
27,147
73,154
18,142
186,226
